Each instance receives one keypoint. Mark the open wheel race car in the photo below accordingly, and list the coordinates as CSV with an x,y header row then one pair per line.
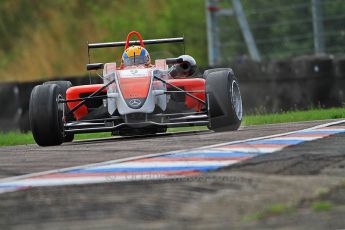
x,y
136,98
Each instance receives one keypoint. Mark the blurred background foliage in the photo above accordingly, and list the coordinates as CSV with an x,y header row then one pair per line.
x,y
41,39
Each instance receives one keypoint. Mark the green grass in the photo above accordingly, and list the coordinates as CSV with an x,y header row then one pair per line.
x,y
294,116
283,209
16,138
254,216
277,209
272,210
185,129
321,206
91,136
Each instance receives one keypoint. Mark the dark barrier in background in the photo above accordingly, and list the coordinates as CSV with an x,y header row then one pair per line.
x,y
23,101
10,111
338,90
299,83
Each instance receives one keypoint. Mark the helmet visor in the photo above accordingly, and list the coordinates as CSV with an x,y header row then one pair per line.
x,y
136,60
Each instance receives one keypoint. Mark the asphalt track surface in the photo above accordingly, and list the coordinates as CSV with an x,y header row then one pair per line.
x,y
226,198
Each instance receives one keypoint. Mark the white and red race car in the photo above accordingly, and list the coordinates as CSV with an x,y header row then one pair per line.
x,y
136,100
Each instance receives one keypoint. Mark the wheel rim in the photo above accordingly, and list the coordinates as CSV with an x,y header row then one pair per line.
x,y
236,99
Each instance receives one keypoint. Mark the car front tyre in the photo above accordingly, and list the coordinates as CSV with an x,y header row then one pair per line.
x,y
45,114
64,85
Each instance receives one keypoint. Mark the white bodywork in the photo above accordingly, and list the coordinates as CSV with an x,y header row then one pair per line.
x,y
156,93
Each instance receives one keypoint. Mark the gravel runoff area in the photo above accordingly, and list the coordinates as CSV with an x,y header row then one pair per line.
x,y
300,187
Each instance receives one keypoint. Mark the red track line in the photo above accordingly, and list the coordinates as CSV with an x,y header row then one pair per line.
x,y
112,174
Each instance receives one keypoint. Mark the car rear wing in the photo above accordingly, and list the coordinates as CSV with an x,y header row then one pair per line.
x,y
146,42
127,43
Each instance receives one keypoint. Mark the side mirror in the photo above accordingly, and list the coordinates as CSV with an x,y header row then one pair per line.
x,y
173,61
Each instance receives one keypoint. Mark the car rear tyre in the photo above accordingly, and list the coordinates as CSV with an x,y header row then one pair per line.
x,y
224,100
64,85
45,115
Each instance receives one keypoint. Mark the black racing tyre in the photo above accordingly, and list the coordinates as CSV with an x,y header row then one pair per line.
x,y
208,71
224,100
64,85
45,115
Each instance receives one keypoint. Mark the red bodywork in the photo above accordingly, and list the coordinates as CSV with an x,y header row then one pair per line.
x,y
76,92
191,84
137,87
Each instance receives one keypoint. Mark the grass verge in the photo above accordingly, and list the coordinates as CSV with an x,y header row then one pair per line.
x,y
16,138
294,116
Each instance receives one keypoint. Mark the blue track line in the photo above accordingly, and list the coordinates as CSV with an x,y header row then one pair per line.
x,y
148,169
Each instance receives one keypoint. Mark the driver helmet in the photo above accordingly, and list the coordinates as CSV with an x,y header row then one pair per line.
x,y
135,55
